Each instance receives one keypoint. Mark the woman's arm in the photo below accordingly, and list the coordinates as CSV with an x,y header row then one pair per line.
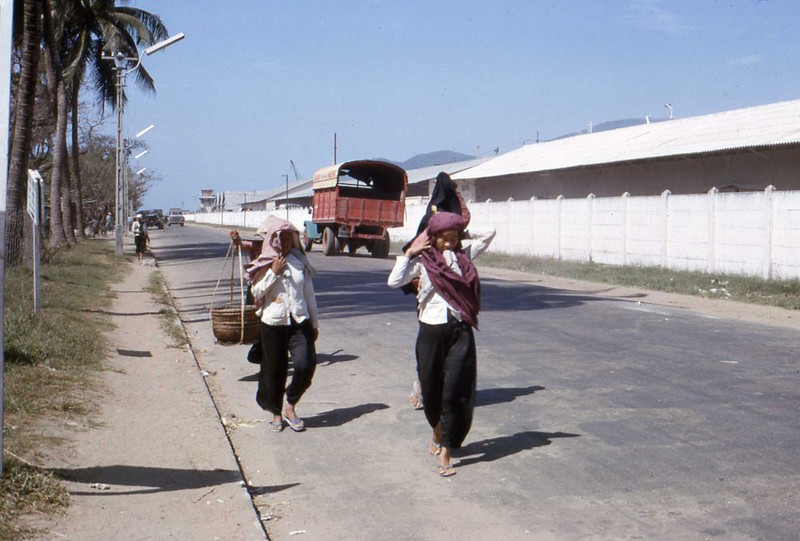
x,y
405,270
262,286
479,243
311,301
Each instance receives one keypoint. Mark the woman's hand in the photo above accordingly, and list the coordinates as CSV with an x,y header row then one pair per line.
x,y
315,334
278,265
417,248
235,238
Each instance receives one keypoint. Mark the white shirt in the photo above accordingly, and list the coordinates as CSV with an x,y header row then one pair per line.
x,y
433,308
286,296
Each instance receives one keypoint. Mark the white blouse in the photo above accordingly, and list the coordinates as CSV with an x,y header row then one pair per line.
x,y
286,296
433,308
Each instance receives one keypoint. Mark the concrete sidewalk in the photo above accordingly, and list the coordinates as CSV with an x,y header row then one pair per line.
x,y
156,447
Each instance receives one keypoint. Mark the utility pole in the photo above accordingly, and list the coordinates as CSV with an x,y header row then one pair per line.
x,y
6,16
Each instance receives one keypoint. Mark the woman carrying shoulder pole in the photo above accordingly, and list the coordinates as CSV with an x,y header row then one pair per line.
x,y
284,293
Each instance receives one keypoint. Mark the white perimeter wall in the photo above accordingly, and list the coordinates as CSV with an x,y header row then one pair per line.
x,y
750,233
251,218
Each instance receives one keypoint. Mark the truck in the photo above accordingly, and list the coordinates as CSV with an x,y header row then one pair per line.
x,y
354,204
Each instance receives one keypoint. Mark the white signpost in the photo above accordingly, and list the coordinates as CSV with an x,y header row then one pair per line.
x,y
35,187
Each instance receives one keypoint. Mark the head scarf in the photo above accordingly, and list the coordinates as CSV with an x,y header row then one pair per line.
x,y
271,249
462,292
444,197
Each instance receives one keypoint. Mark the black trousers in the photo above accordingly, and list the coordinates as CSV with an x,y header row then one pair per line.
x,y
447,370
276,343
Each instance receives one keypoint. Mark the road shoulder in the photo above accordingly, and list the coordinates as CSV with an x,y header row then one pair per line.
x,y
153,460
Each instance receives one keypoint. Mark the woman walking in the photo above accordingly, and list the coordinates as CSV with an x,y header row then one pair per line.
x,y
448,305
284,293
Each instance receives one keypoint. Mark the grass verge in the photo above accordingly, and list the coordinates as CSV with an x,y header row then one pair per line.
x,y
50,362
783,294
168,317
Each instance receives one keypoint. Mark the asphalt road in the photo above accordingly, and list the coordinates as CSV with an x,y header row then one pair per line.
x,y
595,418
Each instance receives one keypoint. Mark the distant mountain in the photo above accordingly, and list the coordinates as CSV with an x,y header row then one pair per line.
x,y
438,157
611,125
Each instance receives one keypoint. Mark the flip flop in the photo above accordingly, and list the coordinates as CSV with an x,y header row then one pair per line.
x,y
297,425
435,448
447,471
276,427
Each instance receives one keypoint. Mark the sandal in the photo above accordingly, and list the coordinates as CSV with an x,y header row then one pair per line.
x,y
276,427
435,448
297,425
446,471
415,402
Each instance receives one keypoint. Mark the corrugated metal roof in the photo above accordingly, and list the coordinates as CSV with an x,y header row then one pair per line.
x,y
423,174
762,126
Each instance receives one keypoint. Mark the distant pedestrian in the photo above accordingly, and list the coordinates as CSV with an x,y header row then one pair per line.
x,y
140,237
284,292
448,305
109,222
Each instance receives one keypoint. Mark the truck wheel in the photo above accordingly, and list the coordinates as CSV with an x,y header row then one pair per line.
x,y
381,249
307,243
330,244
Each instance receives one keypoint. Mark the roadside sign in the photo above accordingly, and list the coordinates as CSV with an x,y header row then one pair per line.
x,y
35,181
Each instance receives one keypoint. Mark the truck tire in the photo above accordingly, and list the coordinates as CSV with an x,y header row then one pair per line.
x,y
381,249
330,244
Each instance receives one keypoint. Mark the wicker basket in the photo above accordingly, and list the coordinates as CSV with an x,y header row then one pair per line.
x,y
226,323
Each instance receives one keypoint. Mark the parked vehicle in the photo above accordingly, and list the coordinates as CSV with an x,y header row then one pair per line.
x,y
153,218
175,217
354,204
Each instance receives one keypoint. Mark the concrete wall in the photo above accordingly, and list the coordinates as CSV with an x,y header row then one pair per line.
x,y
250,219
747,233
741,171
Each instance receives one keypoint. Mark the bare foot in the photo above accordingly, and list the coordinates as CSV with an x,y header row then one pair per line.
x,y
435,448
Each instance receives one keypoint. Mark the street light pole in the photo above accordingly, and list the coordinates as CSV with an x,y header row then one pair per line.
x,y
287,196
120,63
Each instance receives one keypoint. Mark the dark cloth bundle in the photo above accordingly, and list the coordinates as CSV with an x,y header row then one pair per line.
x,y
444,198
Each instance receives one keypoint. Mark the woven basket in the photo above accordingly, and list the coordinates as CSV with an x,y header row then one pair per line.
x,y
226,323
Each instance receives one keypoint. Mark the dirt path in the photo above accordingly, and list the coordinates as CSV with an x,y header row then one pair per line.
x,y
156,443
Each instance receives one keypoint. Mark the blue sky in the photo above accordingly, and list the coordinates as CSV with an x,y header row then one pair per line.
x,y
258,83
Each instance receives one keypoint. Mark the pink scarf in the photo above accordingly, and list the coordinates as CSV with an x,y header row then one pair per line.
x,y
271,229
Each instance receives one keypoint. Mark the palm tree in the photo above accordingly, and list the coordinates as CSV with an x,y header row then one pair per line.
x,y
85,29
31,37
94,28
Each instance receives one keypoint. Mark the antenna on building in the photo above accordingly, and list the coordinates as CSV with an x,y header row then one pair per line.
x,y
669,106
590,126
647,118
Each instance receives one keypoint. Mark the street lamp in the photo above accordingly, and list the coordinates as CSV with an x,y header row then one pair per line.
x,y
128,145
120,66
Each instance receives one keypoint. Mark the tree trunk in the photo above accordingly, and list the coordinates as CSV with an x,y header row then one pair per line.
x,y
76,166
26,98
56,84
66,188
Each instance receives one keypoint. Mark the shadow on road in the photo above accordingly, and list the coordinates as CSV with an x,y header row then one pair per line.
x,y
496,448
327,359
488,397
159,479
340,416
